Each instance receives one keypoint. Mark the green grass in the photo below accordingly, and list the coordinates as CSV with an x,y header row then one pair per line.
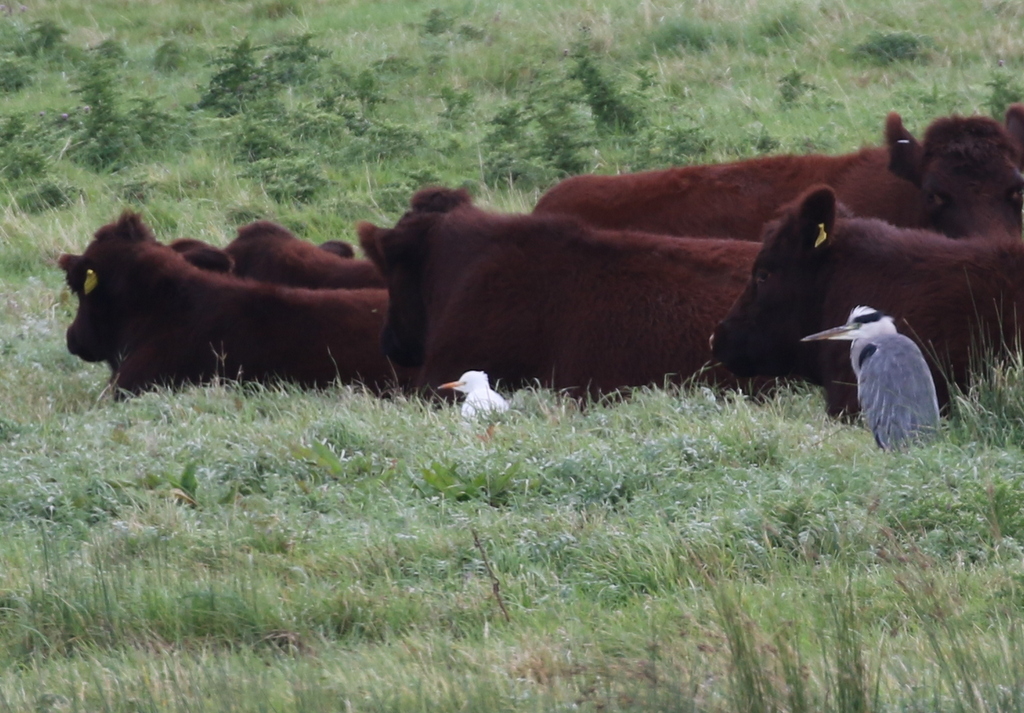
x,y
267,548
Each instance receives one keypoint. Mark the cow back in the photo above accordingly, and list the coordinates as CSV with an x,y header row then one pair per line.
x,y
543,299
268,252
963,181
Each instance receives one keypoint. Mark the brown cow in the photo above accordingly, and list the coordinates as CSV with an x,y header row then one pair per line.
x,y
951,296
531,298
270,252
963,181
156,319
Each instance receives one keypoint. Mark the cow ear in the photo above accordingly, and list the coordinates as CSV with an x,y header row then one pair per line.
x,y
368,233
905,153
405,243
68,262
1015,125
816,217
131,228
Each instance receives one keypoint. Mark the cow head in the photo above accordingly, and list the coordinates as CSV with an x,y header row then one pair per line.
x,y
968,170
106,280
402,256
782,301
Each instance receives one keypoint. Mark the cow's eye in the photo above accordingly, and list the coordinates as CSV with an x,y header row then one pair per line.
x,y
937,200
761,275
1017,196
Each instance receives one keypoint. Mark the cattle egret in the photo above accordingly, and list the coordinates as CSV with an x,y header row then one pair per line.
x,y
894,384
480,397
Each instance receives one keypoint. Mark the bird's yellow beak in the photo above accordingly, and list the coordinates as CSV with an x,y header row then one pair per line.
x,y
834,333
452,385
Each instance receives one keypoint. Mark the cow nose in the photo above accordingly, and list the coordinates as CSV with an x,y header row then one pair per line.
x,y
72,342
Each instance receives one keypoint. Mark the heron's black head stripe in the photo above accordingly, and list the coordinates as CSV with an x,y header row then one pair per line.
x,y
868,318
865,353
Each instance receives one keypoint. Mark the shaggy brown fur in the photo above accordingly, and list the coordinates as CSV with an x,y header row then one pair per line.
x,y
963,181
157,319
952,297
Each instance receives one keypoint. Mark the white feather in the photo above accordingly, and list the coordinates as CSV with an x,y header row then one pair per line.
x,y
480,397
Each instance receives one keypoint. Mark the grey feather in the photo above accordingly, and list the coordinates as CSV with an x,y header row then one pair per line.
x,y
895,390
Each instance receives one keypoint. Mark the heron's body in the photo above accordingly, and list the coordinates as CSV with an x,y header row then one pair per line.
x,y
894,384
480,397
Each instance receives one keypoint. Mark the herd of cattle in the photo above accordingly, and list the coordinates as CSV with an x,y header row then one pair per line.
x,y
611,282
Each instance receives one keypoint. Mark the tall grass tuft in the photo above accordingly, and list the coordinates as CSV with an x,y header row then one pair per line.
x,y
991,410
752,687
846,671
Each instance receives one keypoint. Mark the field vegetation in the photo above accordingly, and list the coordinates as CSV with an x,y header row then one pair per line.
x,y
263,548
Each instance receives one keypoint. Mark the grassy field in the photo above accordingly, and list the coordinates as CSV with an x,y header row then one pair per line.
x,y
265,548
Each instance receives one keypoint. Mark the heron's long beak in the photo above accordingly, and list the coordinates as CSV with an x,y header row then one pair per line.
x,y
452,385
842,332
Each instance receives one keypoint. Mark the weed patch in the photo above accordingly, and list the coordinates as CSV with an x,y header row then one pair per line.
x,y
890,47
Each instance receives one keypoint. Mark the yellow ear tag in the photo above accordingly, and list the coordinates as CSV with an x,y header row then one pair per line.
x,y
90,281
822,235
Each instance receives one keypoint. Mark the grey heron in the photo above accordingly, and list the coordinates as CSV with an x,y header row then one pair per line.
x,y
480,397
894,384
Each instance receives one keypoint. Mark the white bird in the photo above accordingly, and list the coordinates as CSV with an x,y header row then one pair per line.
x,y
480,397
894,384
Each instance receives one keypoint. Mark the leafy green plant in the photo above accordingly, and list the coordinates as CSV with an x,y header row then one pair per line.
x,y
690,34
443,479
613,110
889,47
366,87
289,179
107,139
15,73
169,57
20,157
45,37
1005,89
673,145
468,32
543,136
437,22
185,487
294,61
456,105
47,194
792,87
111,50
259,138
380,139
239,80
